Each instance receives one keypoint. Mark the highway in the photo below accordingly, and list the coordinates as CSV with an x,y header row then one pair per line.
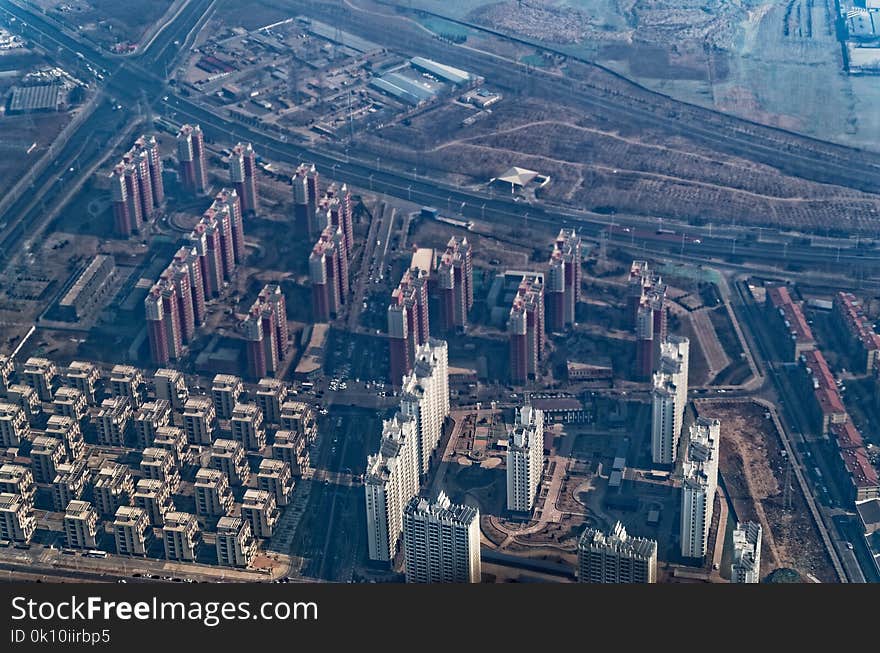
x,y
136,74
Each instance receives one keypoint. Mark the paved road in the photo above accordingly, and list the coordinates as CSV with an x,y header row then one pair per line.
x,y
426,190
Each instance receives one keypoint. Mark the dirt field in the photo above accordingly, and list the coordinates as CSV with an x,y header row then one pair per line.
x,y
753,470
108,21
599,164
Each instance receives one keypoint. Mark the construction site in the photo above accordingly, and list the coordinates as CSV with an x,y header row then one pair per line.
x,y
761,486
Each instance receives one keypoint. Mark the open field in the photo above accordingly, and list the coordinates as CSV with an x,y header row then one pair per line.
x,y
107,21
774,61
597,163
753,470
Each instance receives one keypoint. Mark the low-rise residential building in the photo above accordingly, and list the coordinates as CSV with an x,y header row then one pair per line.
x,y
863,342
17,522
46,454
84,377
247,426
113,487
26,398
159,464
225,392
181,536
271,395
18,479
260,509
173,439
789,327
70,402
149,418
111,421
69,483
127,382
69,432
236,546
131,530
14,425
153,497
228,456
275,477
40,374
199,420
290,446
170,385
80,525
212,493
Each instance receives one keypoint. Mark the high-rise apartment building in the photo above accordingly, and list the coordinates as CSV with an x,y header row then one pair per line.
x,y
336,204
191,159
441,541
745,567
136,186
266,332
305,182
525,327
563,281
408,322
455,283
525,459
391,480
647,303
700,481
328,274
243,176
616,557
425,397
164,332
668,399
